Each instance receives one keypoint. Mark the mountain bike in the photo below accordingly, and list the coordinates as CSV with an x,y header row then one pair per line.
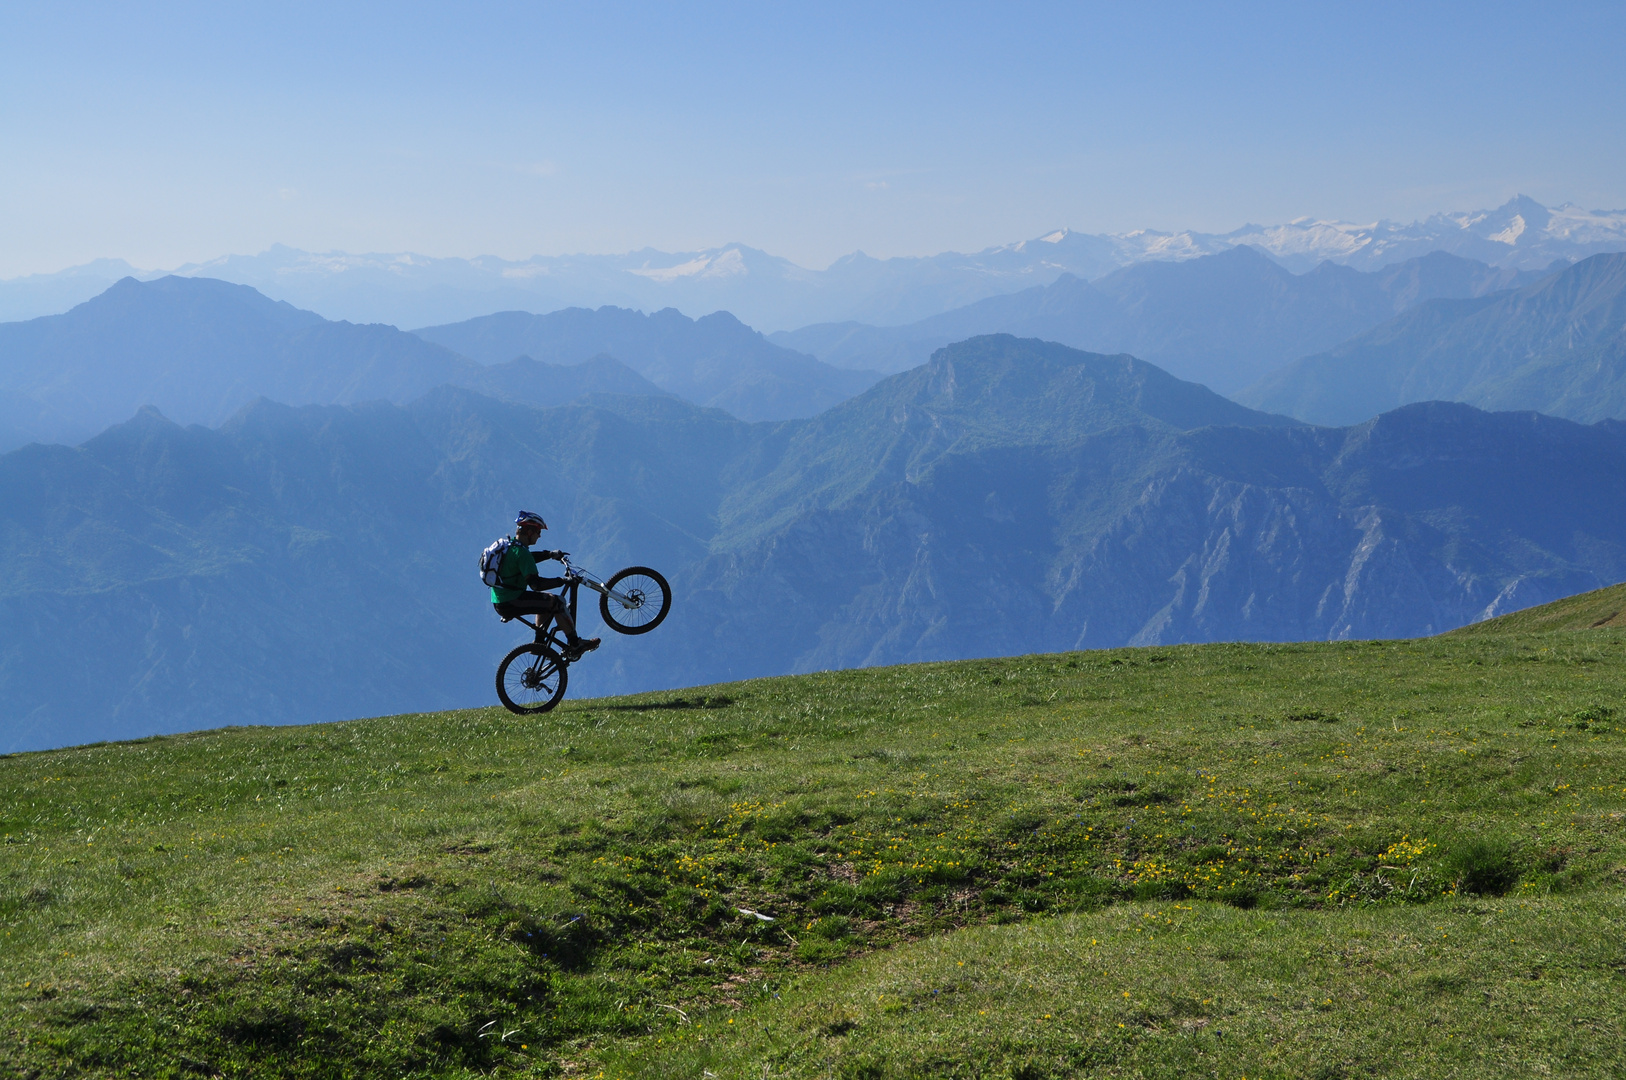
x,y
532,678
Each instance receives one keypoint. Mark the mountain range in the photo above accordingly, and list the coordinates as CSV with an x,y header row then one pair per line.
x,y
317,562
1557,346
715,360
1224,320
1435,327
774,293
199,349
1123,506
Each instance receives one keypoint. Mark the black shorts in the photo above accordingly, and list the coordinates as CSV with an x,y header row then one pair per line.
x,y
531,603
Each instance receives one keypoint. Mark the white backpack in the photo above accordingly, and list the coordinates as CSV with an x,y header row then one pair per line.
x,y
491,560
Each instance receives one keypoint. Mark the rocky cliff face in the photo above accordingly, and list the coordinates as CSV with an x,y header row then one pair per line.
x,y
1415,523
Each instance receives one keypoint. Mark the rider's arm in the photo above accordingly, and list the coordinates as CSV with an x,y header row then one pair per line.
x,y
538,582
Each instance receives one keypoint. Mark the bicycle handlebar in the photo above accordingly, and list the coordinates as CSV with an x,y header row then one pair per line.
x,y
579,573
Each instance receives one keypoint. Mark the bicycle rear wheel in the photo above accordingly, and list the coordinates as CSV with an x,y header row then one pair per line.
x,y
531,679
648,599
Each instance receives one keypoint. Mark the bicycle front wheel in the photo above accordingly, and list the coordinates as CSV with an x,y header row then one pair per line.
x,y
647,599
531,679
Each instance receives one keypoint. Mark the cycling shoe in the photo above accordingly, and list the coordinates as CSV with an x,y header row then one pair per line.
x,y
576,648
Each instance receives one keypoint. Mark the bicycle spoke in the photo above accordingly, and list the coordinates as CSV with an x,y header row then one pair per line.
x,y
635,601
531,681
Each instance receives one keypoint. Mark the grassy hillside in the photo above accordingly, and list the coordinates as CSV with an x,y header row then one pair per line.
x,y
1376,858
1595,610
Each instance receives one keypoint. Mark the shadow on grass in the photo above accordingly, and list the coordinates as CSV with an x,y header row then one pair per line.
x,y
717,702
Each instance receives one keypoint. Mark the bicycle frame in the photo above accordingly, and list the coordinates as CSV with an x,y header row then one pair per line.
x,y
575,578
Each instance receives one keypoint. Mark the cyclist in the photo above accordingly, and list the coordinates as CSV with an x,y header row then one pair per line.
x,y
518,570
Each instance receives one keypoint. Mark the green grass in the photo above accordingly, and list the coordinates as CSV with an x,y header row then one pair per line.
x,y
1262,840
1492,988
1585,611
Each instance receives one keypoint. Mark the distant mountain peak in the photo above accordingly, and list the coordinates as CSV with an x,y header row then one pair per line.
x,y
1523,211
206,295
726,263
773,293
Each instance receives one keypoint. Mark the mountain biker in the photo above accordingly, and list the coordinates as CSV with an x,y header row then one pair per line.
x,y
518,570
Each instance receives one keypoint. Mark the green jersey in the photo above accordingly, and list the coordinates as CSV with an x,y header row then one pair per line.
x,y
517,567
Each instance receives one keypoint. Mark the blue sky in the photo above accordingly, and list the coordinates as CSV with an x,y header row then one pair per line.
x,y
163,133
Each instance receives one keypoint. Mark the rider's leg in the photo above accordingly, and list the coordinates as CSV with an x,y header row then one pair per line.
x,y
562,617
546,606
552,607
575,645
